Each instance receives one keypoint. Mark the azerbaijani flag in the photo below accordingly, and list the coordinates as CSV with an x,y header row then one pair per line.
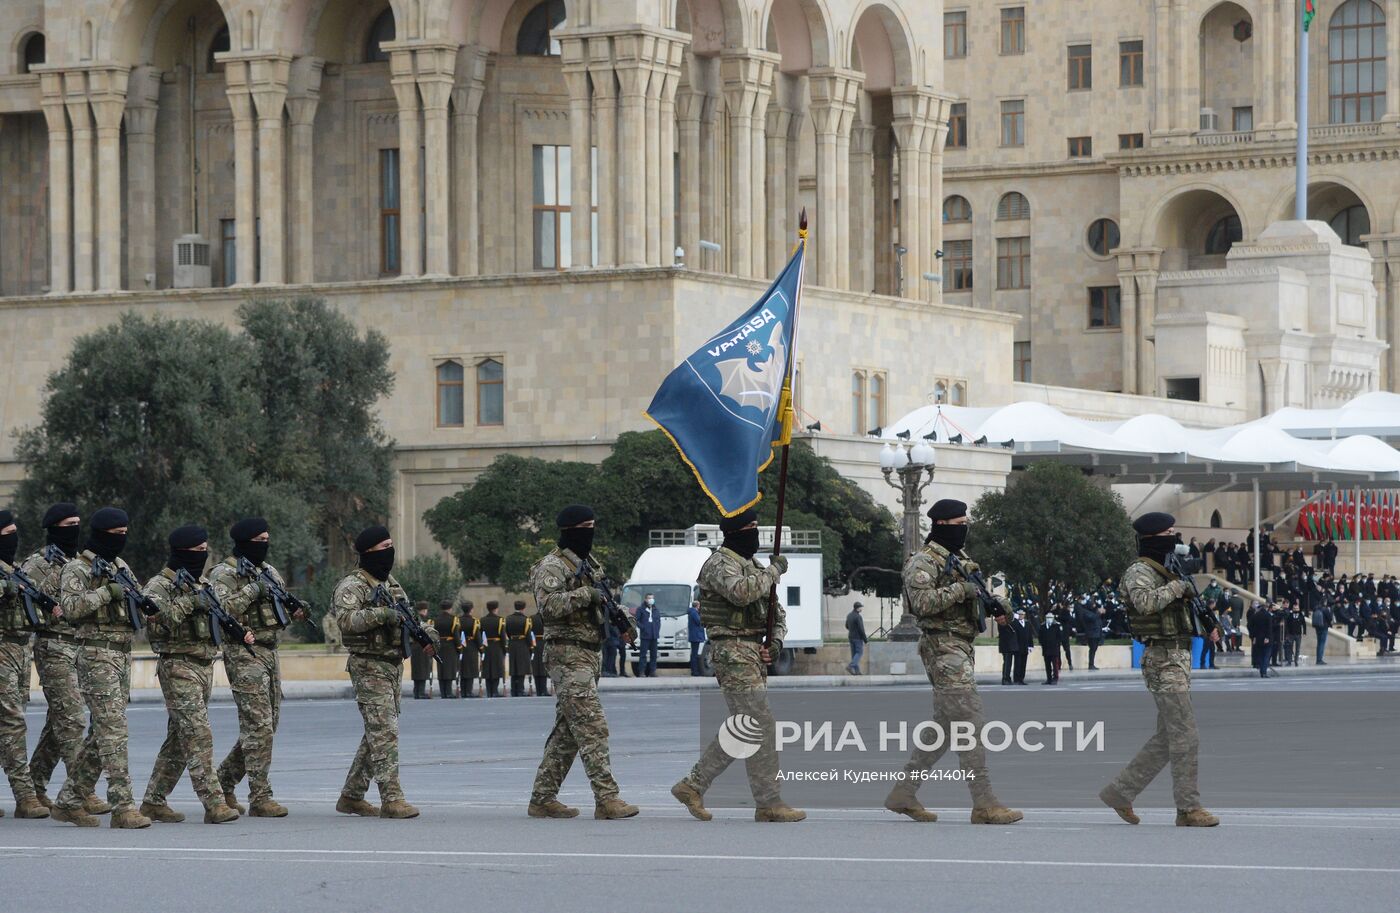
x,y
1309,13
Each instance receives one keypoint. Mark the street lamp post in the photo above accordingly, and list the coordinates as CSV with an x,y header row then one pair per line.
x,y
914,466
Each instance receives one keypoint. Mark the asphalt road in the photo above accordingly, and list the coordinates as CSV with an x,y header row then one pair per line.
x,y
468,765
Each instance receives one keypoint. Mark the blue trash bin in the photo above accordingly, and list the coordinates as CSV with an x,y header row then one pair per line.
x,y
1198,646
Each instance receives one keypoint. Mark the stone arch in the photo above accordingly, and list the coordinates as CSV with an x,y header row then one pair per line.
x,y
167,39
20,43
1328,194
1182,219
800,31
492,24
516,16
1226,59
136,31
714,25
330,29
880,40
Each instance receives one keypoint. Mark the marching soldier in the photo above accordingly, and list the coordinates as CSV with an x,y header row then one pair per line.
x,y
183,636
518,633
945,601
256,679
374,636
56,659
1161,618
98,609
493,645
469,648
447,627
15,630
574,611
734,592
537,656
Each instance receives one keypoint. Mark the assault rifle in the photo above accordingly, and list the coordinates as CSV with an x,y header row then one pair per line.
x,y
411,626
281,599
30,595
986,603
220,619
138,604
615,614
1201,622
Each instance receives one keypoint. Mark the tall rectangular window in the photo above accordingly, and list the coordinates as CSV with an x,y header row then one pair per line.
x,y
450,401
1105,307
877,399
389,264
858,425
228,245
1013,122
1081,66
957,265
955,34
1242,119
957,126
1130,63
1081,147
1013,30
1130,141
1021,362
1013,263
490,393
553,206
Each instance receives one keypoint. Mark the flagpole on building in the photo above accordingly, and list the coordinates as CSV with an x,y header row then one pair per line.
x,y
1300,200
785,416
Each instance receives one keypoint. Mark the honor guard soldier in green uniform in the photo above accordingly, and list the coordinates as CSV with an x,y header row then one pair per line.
x,y
364,607
255,678
572,605
20,617
105,619
186,639
1162,619
734,594
56,659
518,630
939,590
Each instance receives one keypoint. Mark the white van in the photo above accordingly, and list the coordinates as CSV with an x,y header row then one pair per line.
x,y
669,568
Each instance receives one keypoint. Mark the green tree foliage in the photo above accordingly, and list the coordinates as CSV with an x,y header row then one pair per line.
x,y
430,578
1052,523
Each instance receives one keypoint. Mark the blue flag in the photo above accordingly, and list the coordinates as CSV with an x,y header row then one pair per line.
x,y
728,404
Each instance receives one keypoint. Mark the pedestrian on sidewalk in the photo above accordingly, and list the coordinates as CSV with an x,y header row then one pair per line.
x,y
855,633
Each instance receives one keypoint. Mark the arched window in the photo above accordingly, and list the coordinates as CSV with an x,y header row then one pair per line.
x,y
32,53
1356,63
1215,521
1014,206
449,394
959,394
940,391
1350,224
1103,236
490,393
536,38
858,402
380,32
218,45
1224,235
957,209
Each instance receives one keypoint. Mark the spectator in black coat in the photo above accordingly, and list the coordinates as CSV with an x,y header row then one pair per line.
x,y
1294,625
1260,633
1053,639
1091,621
855,635
1321,621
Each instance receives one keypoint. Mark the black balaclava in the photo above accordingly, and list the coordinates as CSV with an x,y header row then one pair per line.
x,y
575,538
1156,547
377,564
242,535
952,536
183,556
742,542
101,540
65,537
9,542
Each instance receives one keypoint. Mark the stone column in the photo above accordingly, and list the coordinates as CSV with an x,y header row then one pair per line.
x,y
84,180
1158,67
931,195
107,95
267,84
581,150
746,76
779,205
883,212
862,205
711,180
1392,71
435,65
1266,67
1127,284
60,192
1186,68
470,85
632,57
758,156
605,93
690,104
668,69
651,133
1385,267
1286,89
833,106
303,98
1147,316
911,123
405,83
142,98
245,190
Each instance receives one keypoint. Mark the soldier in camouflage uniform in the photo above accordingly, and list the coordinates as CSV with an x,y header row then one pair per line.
x,y
734,593
949,613
15,631
363,606
97,608
182,635
1162,619
573,610
56,659
256,679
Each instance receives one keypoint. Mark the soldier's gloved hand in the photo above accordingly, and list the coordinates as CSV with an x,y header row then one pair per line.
x,y
115,591
387,615
779,562
969,589
253,589
586,595
1181,587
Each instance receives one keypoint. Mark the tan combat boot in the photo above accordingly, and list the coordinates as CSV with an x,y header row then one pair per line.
x,y
129,819
996,814
73,816
1116,802
398,808
347,806
44,800
220,814
614,808
94,805
232,802
902,801
267,808
30,808
779,813
551,808
162,813
692,799
1195,817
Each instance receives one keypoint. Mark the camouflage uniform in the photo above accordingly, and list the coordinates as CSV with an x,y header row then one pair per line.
x,y
376,641
15,632
56,658
734,609
256,680
104,637
572,656
1161,619
950,618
